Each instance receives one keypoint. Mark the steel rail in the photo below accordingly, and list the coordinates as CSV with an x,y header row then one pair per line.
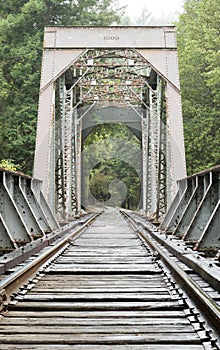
x,y
15,280
186,281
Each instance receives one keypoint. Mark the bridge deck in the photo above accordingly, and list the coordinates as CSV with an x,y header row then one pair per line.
x,y
106,290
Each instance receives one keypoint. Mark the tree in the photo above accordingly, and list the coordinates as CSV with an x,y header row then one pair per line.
x,y
112,156
99,186
21,40
199,47
10,7
145,17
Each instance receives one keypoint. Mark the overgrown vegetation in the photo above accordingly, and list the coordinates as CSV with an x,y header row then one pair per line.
x,y
8,164
199,56
112,156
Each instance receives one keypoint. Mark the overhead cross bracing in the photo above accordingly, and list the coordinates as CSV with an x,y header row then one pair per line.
x,y
110,77
92,76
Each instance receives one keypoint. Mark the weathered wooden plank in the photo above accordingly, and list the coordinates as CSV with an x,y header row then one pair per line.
x,y
128,277
104,347
99,271
106,249
96,297
102,259
109,228
100,283
86,338
105,286
112,263
118,291
92,254
97,305
97,329
90,321
103,283
141,268
93,251
131,266
109,243
156,314
106,235
105,241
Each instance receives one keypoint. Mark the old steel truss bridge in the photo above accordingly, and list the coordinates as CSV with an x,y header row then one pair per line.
x,y
92,76
109,279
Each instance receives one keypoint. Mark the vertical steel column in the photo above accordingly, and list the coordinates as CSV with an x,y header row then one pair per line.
x,y
59,207
78,146
52,163
144,160
155,134
153,150
162,161
149,155
63,150
67,151
73,162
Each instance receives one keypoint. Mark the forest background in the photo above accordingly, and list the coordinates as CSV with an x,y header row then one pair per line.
x,y
21,39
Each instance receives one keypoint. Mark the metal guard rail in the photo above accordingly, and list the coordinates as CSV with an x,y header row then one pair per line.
x,y
24,213
194,214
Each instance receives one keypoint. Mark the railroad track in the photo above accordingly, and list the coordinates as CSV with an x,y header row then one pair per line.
x,y
102,288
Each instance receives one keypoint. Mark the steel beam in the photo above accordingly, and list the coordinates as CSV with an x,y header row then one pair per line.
x,y
22,217
7,242
210,238
110,37
10,212
190,208
194,215
176,204
178,209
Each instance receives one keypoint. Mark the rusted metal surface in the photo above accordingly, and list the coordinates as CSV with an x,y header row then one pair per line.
x,y
106,290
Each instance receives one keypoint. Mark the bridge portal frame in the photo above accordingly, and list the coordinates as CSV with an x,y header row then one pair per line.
x,y
64,45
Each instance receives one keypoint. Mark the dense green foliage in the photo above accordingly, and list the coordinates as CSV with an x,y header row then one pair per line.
x,y
21,35
7,165
199,56
112,162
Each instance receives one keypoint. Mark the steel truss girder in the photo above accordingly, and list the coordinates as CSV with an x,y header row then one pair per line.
x,y
112,78
65,183
195,213
157,152
154,139
24,213
130,61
